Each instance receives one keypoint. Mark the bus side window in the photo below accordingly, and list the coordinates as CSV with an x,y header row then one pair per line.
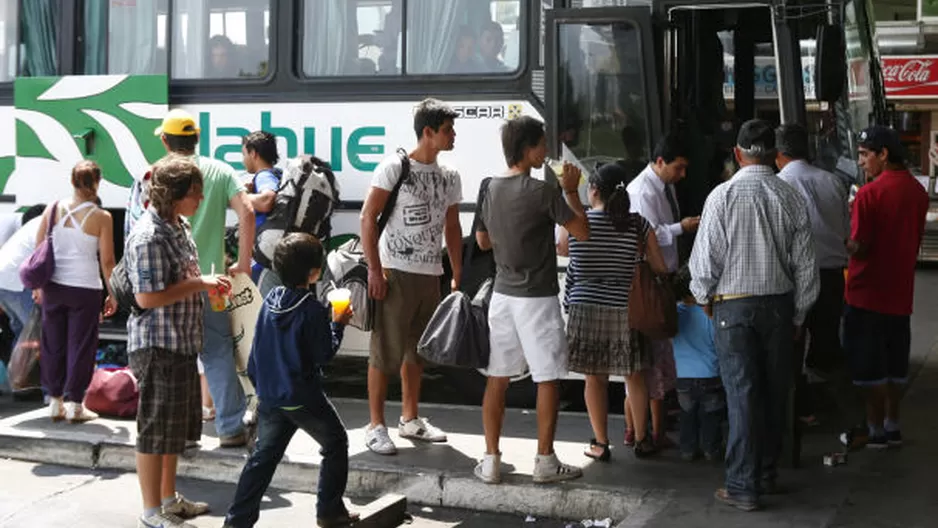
x,y
350,38
221,39
134,41
363,37
460,37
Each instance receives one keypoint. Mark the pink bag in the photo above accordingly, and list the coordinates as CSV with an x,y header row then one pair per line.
x,y
113,392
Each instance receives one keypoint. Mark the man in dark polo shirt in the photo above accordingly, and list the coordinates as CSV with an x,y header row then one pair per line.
x,y
888,221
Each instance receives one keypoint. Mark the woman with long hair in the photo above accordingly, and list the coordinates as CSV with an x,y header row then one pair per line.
x,y
83,245
598,280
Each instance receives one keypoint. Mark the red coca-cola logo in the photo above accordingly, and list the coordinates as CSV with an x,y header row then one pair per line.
x,y
912,71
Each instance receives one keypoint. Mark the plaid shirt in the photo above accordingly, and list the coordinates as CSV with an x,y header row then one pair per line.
x,y
159,255
755,239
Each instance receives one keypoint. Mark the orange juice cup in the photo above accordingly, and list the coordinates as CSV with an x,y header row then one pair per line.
x,y
340,298
218,299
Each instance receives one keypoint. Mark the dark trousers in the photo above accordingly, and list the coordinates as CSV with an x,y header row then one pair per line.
x,y
754,340
276,428
702,403
819,347
822,326
69,340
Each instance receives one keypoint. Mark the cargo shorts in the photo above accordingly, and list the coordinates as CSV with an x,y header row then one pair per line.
x,y
401,318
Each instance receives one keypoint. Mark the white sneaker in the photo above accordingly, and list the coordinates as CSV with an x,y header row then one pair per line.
x,y
76,413
185,508
420,429
56,409
378,440
547,468
489,469
163,520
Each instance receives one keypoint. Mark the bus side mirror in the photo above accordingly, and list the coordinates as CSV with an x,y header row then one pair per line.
x,y
830,66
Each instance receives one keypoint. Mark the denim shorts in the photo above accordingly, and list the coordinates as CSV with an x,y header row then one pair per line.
x,y
877,346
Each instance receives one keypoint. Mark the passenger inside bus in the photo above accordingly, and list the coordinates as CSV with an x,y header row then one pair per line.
x,y
222,58
491,45
465,59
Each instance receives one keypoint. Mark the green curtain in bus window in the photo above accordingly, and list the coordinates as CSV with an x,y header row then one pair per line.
x,y
330,39
39,37
95,56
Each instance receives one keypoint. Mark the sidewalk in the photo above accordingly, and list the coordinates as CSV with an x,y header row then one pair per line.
x,y
429,474
891,488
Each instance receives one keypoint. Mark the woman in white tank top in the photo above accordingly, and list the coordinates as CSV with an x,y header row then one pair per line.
x,y
83,243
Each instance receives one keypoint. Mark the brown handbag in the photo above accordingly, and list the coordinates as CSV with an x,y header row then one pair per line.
x,y
652,305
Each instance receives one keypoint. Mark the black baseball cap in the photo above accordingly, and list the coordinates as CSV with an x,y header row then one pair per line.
x,y
756,134
877,138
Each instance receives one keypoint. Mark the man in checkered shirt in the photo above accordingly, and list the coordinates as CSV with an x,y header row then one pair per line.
x,y
754,267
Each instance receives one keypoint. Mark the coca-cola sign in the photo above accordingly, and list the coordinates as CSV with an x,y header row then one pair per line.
x,y
911,77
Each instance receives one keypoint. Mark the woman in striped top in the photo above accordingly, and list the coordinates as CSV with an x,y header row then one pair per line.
x,y
598,280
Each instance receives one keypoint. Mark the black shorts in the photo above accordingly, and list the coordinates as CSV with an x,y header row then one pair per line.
x,y
877,346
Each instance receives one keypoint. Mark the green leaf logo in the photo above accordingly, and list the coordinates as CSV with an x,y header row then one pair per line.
x,y
109,119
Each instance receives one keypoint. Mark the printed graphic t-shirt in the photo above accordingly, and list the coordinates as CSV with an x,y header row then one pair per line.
x,y
412,240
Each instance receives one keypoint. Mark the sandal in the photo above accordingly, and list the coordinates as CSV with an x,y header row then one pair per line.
x,y
644,448
602,457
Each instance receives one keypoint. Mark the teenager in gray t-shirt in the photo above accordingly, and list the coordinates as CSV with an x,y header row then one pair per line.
x,y
519,214
517,220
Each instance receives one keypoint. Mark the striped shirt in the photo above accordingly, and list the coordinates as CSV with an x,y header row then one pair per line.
x,y
601,268
158,255
755,239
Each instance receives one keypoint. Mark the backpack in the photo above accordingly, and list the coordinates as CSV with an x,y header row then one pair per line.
x,y
346,267
307,197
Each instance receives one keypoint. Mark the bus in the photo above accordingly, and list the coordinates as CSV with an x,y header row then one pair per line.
x,y
339,79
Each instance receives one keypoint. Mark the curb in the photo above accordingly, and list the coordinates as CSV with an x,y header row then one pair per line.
x,y
517,495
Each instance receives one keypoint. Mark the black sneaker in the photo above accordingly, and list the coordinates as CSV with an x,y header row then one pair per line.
x,y
894,438
877,442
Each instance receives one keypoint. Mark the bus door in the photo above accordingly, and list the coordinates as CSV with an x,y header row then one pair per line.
x,y
602,91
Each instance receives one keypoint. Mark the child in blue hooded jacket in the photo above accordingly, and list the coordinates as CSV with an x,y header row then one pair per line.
x,y
295,336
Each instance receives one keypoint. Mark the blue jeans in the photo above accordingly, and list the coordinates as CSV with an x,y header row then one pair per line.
x,y
755,343
702,404
18,305
218,357
276,428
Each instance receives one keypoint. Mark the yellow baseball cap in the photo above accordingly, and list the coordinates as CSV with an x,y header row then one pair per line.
x,y
177,123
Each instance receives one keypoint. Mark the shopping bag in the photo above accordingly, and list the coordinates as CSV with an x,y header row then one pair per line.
x,y
24,362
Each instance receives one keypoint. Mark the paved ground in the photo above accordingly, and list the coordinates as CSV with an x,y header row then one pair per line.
x,y
46,495
887,489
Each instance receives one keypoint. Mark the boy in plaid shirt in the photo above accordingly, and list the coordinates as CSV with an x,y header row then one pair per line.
x,y
165,338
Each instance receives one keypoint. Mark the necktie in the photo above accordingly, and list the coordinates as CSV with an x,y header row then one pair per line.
x,y
675,214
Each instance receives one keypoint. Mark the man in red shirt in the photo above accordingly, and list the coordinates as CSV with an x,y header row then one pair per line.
x,y
888,221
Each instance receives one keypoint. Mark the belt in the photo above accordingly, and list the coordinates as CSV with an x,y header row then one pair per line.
x,y
729,297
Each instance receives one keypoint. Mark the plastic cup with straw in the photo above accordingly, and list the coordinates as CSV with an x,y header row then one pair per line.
x,y
216,298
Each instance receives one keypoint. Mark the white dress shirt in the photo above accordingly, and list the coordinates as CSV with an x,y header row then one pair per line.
x,y
827,207
648,198
755,239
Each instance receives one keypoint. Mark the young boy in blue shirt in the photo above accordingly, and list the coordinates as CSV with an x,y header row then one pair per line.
x,y
699,388
294,338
